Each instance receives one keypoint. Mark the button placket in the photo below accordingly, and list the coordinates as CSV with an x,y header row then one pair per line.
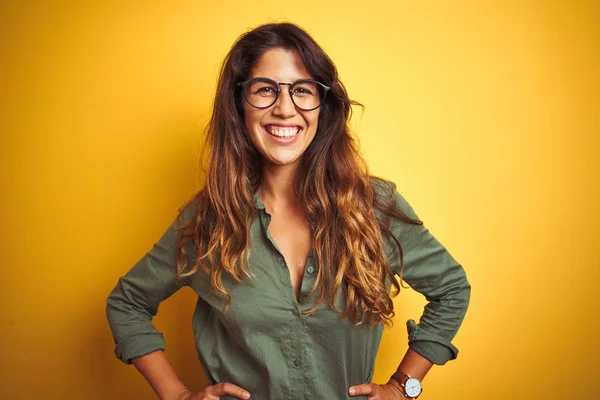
x,y
308,277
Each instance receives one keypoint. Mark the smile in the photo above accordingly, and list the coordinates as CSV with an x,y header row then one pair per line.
x,y
283,132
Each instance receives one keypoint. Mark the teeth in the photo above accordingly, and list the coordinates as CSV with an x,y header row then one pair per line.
x,y
283,132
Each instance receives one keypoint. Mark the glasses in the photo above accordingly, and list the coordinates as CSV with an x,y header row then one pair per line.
x,y
306,94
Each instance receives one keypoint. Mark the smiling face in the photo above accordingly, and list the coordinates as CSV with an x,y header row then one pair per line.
x,y
282,132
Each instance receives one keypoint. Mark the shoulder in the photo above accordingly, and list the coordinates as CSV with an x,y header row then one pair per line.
x,y
393,210
189,209
382,186
387,192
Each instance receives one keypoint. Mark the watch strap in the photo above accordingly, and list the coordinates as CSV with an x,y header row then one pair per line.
x,y
401,378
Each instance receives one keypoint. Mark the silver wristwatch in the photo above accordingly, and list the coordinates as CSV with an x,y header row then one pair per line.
x,y
411,387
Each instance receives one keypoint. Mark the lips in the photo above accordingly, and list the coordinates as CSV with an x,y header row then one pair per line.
x,y
283,131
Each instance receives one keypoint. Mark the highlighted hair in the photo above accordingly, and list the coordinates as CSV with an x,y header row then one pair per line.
x,y
333,183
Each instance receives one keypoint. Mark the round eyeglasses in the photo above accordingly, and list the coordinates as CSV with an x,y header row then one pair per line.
x,y
306,94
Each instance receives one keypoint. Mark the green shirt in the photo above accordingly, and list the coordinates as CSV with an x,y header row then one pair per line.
x,y
263,343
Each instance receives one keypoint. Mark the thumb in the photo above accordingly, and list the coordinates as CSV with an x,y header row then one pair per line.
x,y
364,389
226,388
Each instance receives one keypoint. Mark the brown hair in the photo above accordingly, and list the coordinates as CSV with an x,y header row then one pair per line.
x,y
333,183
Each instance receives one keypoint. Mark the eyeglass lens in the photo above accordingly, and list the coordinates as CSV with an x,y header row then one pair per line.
x,y
262,93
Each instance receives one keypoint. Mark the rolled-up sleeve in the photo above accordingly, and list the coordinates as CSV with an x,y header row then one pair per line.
x,y
135,299
432,271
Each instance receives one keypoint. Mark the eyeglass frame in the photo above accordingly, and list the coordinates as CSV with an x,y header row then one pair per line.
x,y
291,85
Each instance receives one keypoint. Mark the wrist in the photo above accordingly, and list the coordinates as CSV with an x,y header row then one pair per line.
x,y
409,386
183,394
397,388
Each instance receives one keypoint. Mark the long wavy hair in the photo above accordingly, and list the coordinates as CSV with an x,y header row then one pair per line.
x,y
333,183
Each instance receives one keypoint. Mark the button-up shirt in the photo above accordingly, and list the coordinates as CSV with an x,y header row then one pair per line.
x,y
263,342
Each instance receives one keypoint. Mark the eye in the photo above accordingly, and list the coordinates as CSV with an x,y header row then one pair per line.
x,y
305,89
265,89
302,90
262,88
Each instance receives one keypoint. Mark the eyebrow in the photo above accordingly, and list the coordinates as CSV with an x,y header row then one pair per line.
x,y
292,82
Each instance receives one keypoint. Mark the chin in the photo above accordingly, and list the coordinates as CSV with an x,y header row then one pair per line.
x,y
282,161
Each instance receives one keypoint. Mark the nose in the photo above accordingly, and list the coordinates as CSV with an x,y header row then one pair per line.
x,y
284,106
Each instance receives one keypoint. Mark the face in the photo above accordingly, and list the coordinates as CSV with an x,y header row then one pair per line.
x,y
282,132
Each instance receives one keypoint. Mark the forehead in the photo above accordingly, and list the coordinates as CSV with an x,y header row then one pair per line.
x,y
280,64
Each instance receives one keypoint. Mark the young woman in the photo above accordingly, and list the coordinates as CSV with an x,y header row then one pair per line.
x,y
291,246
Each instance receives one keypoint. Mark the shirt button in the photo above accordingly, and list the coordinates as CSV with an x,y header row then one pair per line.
x,y
310,269
296,362
296,312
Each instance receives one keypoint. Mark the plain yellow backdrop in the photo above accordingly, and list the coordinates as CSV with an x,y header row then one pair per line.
x,y
486,115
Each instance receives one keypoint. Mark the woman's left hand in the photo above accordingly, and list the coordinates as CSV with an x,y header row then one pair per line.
x,y
373,391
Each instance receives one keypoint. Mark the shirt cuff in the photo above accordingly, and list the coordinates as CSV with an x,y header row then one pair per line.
x,y
433,347
139,345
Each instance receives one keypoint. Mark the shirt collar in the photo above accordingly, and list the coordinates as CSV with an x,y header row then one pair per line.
x,y
258,202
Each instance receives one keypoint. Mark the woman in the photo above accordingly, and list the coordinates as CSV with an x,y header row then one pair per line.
x,y
291,246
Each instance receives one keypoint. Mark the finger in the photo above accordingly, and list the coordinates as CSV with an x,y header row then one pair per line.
x,y
364,389
226,388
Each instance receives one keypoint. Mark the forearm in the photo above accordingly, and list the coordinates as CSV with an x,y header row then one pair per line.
x,y
414,364
159,373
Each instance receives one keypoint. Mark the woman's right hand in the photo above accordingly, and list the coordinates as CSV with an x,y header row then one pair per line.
x,y
214,392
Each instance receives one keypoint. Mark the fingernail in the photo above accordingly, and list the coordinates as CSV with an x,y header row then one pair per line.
x,y
352,390
246,395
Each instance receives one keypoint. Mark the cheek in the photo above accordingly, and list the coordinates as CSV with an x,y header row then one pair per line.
x,y
314,121
252,118
247,116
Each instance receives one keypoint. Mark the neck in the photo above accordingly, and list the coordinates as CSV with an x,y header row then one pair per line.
x,y
277,185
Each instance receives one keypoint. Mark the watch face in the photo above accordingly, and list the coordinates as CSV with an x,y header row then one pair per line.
x,y
412,387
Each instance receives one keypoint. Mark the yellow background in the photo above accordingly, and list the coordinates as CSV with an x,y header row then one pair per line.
x,y
486,114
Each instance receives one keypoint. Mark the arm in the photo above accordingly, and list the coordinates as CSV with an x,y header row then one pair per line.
x,y
432,271
159,373
157,370
414,364
133,303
